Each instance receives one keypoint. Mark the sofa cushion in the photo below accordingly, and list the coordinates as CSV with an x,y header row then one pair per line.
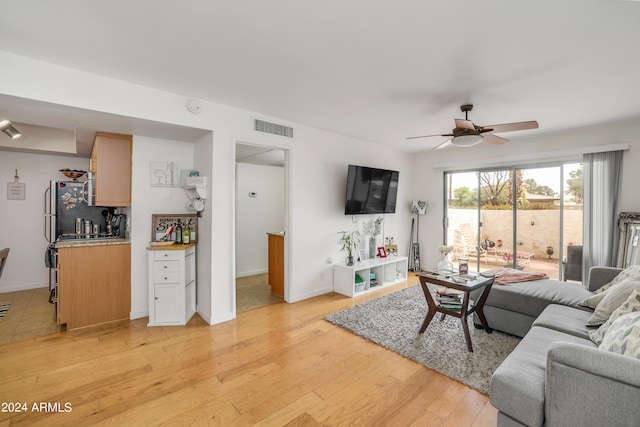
x,y
565,319
623,337
531,298
613,298
517,386
629,306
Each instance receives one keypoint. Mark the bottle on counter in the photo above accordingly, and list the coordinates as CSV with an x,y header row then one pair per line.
x,y
186,238
179,235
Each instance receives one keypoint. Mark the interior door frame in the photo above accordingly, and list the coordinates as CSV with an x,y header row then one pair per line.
x,y
287,148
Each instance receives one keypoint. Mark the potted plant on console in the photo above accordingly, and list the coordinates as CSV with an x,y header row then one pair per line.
x,y
348,241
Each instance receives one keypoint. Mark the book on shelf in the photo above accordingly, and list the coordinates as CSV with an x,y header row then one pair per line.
x,y
451,306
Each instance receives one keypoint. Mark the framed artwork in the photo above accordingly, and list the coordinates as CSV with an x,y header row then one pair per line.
x,y
382,253
162,174
363,254
160,223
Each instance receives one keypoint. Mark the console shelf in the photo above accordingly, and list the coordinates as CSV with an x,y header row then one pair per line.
x,y
388,271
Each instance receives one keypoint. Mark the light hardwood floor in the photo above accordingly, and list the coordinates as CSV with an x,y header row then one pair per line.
x,y
277,365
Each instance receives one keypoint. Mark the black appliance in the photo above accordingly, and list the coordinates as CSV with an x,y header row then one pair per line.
x,y
371,191
65,203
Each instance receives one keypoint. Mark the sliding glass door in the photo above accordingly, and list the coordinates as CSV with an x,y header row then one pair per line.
x,y
525,218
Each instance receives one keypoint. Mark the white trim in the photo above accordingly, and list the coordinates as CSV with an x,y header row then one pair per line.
x,y
252,272
522,159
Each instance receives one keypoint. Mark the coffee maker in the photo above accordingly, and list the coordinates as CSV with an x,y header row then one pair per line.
x,y
118,225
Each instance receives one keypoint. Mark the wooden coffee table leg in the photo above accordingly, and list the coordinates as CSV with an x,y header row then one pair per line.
x,y
467,335
431,306
480,309
427,320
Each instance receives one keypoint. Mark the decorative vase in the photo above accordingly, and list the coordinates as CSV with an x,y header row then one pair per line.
x,y
445,265
373,247
349,260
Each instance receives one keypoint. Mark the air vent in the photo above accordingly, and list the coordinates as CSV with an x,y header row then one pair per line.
x,y
273,128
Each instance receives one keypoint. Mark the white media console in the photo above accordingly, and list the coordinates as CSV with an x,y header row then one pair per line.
x,y
387,271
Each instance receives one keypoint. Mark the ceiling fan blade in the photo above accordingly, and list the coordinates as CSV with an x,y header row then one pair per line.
x,y
494,139
465,124
429,136
509,127
443,145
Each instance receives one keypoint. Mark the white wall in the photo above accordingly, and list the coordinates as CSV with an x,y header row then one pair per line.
x,y
256,216
428,180
22,221
150,200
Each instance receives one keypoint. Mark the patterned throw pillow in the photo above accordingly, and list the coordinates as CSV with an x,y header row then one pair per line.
x,y
613,298
632,304
623,337
631,272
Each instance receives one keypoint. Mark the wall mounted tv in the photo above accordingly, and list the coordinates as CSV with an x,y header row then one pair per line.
x,y
370,191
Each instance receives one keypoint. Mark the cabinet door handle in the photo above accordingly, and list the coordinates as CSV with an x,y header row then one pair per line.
x,y
165,267
165,278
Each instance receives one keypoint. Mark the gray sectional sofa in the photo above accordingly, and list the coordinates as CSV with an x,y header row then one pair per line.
x,y
557,376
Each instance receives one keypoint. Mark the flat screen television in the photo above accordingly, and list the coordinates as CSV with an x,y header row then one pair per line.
x,y
370,191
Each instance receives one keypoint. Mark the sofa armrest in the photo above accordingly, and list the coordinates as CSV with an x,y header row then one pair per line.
x,y
599,276
588,386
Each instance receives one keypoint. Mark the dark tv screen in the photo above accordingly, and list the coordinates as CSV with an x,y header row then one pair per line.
x,y
371,191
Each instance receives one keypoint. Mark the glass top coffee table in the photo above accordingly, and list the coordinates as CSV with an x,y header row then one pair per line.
x,y
465,286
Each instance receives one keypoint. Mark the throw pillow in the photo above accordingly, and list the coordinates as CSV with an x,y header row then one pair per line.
x,y
632,304
631,272
623,337
593,300
613,298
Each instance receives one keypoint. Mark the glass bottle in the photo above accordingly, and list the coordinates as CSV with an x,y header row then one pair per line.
x,y
179,233
186,238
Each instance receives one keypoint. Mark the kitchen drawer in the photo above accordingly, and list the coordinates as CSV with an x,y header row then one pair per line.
x,y
160,255
166,277
160,266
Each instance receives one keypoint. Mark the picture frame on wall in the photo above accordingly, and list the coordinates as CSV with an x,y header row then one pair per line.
x,y
160,223
161,174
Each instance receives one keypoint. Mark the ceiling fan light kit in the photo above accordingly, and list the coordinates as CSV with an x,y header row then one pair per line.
x,y
467,140
467,134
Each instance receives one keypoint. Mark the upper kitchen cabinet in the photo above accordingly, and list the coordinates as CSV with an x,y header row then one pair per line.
x,y
111,163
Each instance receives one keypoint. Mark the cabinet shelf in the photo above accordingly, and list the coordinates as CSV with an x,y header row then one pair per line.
x,y
387,271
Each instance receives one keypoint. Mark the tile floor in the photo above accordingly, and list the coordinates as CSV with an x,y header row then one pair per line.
x,y
29,316
253,292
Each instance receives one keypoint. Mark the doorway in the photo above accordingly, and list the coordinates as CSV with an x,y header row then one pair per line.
x,y
529,218
261,174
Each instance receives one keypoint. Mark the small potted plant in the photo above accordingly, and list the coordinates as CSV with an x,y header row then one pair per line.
x,y
348,242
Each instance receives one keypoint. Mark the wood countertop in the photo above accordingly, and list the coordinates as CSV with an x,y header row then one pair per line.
x,y
171,247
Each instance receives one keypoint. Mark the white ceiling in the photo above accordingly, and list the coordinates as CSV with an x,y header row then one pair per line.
x,y
372,69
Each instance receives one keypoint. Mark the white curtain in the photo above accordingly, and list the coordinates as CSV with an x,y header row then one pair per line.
x,y
600,184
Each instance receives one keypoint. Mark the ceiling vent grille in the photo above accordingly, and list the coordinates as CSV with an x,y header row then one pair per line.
x,y
273,128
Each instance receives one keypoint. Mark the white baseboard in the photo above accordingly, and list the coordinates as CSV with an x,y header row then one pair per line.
x,y
252,272
23,287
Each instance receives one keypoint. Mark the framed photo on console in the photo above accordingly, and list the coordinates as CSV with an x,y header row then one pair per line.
x,y
382,253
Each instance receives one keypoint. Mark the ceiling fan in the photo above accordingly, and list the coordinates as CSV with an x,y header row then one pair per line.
x,y
467,134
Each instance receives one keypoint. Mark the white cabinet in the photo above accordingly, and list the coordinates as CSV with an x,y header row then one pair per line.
x,y
172,284
357,279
